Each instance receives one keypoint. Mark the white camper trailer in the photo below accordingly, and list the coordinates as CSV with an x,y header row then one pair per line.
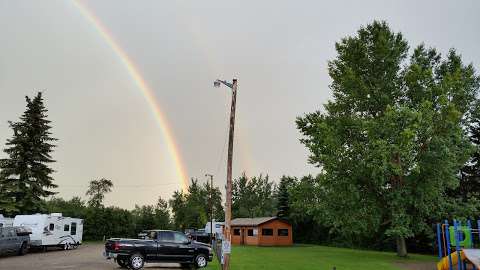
x,y
52,230
217,227
5,222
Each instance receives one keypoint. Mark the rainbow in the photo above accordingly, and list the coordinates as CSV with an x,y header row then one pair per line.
x,y
144,88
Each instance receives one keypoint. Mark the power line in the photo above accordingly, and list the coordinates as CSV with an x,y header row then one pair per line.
x,y
121,186
225,136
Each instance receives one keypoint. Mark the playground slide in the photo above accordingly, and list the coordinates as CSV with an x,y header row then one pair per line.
x,y
444,264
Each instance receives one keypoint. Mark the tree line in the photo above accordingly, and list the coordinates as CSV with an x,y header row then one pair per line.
x,y
397,147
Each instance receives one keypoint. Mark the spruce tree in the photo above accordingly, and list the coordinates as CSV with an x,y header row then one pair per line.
x,y
25,175
283,202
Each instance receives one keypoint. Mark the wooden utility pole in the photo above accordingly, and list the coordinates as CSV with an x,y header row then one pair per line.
x,y
228,203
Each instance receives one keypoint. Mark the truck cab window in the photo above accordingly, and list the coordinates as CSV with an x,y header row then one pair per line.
x,y
166,236
152,235
180,238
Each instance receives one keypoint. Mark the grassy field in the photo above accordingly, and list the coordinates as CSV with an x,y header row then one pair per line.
x,y
315,257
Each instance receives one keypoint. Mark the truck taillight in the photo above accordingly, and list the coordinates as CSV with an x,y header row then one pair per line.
x,y
116,246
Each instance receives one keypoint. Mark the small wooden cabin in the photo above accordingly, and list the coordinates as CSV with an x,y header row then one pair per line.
x,y
263,231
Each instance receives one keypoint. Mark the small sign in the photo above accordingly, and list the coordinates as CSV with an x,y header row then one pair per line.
x,y
226,247
255,232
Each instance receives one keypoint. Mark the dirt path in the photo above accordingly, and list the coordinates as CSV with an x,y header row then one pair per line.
x,y
417,265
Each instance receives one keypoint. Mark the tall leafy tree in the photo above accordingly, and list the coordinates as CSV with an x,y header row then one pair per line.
x,y
97,190
470,175
253,197
392,140
25,175
192,209
162,214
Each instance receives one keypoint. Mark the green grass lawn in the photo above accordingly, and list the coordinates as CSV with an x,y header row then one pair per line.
x,y
314,257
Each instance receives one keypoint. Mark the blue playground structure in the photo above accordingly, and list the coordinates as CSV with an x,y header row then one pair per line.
x,y
456,249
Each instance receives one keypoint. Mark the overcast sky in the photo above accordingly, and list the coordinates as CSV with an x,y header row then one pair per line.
x,y
277,49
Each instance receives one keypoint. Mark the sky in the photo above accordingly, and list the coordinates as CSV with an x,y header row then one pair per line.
x,y
278,50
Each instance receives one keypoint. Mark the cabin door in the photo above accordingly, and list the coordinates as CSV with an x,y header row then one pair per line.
x,y
242,237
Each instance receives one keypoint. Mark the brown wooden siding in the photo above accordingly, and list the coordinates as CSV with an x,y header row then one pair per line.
x,y
263,240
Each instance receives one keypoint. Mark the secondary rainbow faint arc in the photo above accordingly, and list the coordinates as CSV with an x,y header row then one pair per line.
x,y
143,86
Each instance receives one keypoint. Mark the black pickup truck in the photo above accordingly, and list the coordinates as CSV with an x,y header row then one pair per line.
x,y
158,246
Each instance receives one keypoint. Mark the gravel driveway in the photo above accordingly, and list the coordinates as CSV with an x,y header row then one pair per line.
x,y
86,257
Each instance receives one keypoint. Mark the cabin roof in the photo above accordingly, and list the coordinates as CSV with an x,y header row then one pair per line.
x,y
251,221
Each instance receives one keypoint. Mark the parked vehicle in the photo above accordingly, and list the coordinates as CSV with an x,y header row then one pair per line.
x,y
14,240
199,236
52,230
158,246
5,222
217,227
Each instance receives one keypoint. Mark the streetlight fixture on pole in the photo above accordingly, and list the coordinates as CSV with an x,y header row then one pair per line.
x,y
226,246
210,202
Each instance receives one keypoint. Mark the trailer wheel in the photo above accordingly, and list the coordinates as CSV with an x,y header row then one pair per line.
x,y
136,261
66,246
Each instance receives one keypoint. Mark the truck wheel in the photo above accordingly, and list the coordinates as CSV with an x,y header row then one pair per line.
x,y
23,249
136,261
200,261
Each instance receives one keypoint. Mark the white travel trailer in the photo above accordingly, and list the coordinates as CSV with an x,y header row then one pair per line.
x,y
5,222
217,227
52,230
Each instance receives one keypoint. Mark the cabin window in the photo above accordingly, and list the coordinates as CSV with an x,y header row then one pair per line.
x,y
51,227
236,231
282,232
74,229
250,232
66,228
267,231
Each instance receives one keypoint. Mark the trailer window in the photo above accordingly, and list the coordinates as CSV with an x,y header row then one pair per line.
x,y
74,229
66,228
51,227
